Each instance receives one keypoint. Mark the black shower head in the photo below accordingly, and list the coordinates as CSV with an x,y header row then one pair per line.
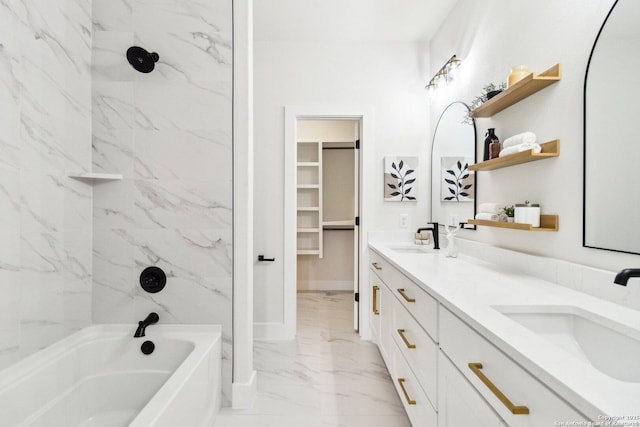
x,y
142,60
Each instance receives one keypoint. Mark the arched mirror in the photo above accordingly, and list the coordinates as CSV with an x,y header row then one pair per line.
x,y
611,146
453,185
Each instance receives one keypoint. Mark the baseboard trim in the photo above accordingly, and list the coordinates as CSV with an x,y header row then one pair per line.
x,y
244,394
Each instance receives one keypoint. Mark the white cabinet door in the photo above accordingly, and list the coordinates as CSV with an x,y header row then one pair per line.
x,y
459,404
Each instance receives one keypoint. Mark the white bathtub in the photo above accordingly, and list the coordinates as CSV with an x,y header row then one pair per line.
x,y
100,377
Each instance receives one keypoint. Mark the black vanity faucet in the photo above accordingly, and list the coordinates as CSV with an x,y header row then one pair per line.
x,y
151,319
624,275
434,231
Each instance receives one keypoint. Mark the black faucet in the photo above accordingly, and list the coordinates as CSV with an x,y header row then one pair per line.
x,y
151,319
434,231
624,275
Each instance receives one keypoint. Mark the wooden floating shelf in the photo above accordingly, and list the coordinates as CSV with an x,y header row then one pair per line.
x,y
549,149
547,223
519,91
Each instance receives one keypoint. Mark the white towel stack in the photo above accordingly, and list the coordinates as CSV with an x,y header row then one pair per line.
x,y
520,142
491,212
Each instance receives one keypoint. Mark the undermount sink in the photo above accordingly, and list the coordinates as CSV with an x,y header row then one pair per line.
x,y
411,249
610,347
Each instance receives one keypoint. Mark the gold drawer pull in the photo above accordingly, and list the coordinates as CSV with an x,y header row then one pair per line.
x,y
375,300
376,266
401,292
406,341
404,391
475,367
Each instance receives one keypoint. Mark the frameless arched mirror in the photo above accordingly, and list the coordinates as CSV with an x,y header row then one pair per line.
x,y
611,146
453,186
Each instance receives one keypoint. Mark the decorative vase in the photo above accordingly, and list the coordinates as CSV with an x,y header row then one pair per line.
x,y
493,93
518,73
490,137
509,219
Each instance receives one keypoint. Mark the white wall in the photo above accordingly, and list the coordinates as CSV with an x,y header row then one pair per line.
x,y
388,76
493,36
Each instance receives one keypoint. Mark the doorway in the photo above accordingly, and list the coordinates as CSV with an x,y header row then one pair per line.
x,y
314,226
327,206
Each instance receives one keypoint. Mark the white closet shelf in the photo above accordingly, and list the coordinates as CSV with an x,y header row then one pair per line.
x,y
308,252
308,164
308,230
301,186
308,209
337,223
96,176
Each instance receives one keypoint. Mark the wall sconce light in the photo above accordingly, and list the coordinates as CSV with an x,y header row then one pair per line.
x,y
444,74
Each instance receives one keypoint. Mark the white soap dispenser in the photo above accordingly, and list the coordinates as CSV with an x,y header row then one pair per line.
x,y
451,250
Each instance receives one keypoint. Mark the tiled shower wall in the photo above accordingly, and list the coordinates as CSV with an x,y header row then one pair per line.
x,y
169,134
45,132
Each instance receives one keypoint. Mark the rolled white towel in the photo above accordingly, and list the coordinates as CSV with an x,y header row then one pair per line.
x,y
518,148
492,208
521,138
501,217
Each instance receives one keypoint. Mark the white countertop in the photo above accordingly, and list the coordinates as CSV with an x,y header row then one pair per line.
x,y
469,287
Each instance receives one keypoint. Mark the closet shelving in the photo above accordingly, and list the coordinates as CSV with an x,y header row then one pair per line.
x,y
514,94
309,198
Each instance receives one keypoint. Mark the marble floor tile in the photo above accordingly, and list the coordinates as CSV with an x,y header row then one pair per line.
x,y
326,377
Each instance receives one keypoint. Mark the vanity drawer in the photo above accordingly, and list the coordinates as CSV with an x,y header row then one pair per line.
x,y
378,265
422,306
418,407
419,350
474,357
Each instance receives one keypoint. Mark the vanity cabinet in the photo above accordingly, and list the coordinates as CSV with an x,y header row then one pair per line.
x,y
438,361
514,394
405,329
459,403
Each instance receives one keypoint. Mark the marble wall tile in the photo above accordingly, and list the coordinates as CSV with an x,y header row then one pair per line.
x,y
113,107
183,204
177,15
45,218
191,56
109,60
113,151
9,199
183,106
113,205
112,15
208,155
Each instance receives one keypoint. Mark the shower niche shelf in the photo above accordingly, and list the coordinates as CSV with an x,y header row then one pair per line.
x,y
93,176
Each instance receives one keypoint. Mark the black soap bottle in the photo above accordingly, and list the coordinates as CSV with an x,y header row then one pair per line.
x,y
490,136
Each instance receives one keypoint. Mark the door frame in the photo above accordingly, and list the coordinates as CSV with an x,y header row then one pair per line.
x,y
292,113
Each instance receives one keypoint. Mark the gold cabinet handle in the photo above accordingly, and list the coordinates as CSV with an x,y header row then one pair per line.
x,y
475,367
376,266
404,391
406,341
375,300
401,292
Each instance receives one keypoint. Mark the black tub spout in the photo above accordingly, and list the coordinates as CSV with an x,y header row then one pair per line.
x,y
151,319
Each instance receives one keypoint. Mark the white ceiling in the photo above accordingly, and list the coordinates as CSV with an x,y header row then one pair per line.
x,y
348,20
